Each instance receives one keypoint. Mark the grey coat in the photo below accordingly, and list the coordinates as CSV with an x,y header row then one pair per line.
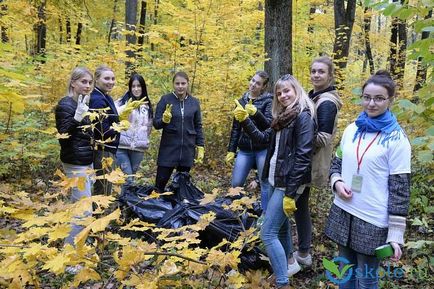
x,y
182,134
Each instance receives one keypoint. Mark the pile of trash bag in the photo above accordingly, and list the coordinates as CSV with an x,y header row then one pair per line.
x,y
183,208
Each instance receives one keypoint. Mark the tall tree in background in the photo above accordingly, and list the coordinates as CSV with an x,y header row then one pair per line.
x,y
4,30
398,45
130,23
344,20
278,38
367,29
422,69
142,22
41,31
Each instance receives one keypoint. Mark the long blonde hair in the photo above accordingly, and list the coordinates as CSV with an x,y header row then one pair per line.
x,y
302,98
76,74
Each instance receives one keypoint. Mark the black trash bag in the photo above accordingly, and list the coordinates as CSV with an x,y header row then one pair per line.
x,y
151,210
184,189
252,260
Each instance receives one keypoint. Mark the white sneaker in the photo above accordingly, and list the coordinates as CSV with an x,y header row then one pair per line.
x,y
305,261
293,268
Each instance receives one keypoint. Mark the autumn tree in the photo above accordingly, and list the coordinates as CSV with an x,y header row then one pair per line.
x,y
398,46
41,31
3,28
278,38
130,25
344,12
421,73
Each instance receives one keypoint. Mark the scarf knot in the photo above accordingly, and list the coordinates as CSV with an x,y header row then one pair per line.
x,y
285,117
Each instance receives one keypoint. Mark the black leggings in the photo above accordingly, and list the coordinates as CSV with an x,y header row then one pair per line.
x,y
164,173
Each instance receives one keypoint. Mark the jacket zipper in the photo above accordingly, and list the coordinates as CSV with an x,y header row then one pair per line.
x,y
181,107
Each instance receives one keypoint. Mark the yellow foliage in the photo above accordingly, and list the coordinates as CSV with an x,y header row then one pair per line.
x,y
84,275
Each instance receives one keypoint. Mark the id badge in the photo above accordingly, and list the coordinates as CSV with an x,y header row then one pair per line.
x,y
356,183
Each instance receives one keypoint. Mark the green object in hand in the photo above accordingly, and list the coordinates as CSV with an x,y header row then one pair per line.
x,y
288,206
250,108
167,114
384,251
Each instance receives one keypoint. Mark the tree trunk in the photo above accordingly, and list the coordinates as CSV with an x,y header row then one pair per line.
x,y
344,20
142,23
278,38
422,69
4,29
78,34
60,31
41,31
367,30
155,19
68,30
113,34
398,47
130,23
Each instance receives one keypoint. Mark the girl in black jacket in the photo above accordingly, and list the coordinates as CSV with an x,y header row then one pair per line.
x,y
287,167
178,114
76,151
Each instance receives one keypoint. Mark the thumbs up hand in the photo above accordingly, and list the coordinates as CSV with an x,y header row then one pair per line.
x,y
240,114
167,115
82,107
250,108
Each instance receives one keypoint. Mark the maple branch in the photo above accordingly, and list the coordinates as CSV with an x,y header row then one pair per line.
x,y
174,255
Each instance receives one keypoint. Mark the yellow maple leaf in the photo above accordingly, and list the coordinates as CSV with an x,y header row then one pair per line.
x,y
57,264
235,279
60,232
235,191
84,275
100,224
116,176
169,268
62,136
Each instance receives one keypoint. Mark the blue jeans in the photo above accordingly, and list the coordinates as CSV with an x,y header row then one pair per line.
x,y
364,272
276,235
246,161
74,171
129,162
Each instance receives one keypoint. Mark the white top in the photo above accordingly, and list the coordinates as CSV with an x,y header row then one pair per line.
x,y
273,160
379,161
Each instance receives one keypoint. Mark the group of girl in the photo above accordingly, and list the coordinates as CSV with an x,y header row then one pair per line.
x,y
288,137
84,150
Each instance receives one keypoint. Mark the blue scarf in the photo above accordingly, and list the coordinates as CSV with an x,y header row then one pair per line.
x,y
385,123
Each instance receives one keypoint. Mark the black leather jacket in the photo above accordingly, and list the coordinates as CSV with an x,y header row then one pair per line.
x,y
77,148
293,164
239,138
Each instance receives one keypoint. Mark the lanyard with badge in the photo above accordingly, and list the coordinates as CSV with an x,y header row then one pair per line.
x,y
357,181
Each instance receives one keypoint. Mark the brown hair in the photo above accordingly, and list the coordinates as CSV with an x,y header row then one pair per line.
x,y
382,78
327,61
180,74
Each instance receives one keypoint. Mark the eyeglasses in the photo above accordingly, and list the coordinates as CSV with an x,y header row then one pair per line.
x,y
376,99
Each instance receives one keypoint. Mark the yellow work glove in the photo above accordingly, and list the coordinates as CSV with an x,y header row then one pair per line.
x,y
230,158
250,108
167,114
200,155
288,206
240,114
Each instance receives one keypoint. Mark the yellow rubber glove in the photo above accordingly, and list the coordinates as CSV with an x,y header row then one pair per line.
x,y
200,155
230,158
288,206
250,108
167,114
240,114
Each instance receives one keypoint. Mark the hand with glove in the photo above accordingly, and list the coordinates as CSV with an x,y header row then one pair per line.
x,y
200,155
230,156
250,108
82,107
167,115
239,112
288,206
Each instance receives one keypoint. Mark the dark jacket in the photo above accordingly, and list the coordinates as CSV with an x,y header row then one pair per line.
x,y
182,134
239,138
293,164
98,100
77,148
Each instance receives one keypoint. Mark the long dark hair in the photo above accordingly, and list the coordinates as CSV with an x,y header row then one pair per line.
x,y
144,95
